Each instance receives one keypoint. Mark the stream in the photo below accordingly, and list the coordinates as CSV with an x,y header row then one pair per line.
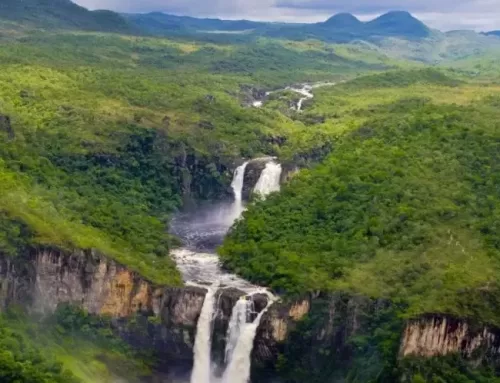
x,y
305,90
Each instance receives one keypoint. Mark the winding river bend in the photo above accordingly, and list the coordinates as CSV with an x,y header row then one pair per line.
x,y
305,90
202,230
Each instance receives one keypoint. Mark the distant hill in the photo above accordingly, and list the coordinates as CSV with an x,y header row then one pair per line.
x,y
342,27
62,14
344,21
161,23
397,24
493,33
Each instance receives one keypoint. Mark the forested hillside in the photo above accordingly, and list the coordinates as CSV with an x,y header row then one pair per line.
x,y
403,210
409,189
165,126
61,14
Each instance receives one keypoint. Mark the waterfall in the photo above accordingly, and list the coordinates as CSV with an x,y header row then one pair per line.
x,y
201,264
238,370
238,320
238,179
239,339
269,180
237,186
202,345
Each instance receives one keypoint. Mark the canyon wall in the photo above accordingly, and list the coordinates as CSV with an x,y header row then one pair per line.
x,y
165,318
438,335
332,332
45,278
146,315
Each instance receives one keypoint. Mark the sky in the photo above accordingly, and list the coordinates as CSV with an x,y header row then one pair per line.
x,y
480,15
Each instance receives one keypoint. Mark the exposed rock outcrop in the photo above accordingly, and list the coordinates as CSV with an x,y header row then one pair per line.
x,y
164,319
438,335
45,278
250,94
333,319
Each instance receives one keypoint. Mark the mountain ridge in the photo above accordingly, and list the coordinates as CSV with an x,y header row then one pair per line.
x,y
342,27
62,14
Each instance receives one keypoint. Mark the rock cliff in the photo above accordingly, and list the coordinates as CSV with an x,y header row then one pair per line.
x,y
164,319
45,278
438,335
148,316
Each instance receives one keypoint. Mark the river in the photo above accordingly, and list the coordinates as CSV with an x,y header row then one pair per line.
x,y
305,90
202,230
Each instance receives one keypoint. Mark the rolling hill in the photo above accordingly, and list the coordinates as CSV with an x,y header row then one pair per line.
x,y
342,27
62,14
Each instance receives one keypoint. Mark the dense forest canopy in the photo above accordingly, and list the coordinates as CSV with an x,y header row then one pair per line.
x,y
404,201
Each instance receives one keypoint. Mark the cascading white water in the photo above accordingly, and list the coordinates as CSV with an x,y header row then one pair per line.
x,y
238,370
239,316
237,186
269,180
203,342
202,265
306,91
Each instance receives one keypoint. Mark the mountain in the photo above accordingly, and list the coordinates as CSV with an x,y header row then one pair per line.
x,y
493,33
343,20
343,27
397,23
61,14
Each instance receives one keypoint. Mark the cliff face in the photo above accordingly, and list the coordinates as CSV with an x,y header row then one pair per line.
x,y
45,278
334,336
164,318
336,319
439,335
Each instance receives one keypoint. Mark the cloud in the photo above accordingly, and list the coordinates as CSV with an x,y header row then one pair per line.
x,y
440,14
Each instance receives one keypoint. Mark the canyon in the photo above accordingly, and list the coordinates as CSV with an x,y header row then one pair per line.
x,y
227,328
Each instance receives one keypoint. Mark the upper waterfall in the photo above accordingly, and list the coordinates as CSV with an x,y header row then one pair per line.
x,y
305,90
269,180
237,186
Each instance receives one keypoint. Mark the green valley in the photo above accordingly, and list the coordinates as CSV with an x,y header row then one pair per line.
x,y
112,124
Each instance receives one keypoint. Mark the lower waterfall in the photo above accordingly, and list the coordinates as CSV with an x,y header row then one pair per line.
x,y
238,370
239,317
239,339
203,342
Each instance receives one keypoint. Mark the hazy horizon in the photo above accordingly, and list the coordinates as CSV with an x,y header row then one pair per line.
x,y
445,15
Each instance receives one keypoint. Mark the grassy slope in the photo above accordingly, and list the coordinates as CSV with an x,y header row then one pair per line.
x,y
402,204
76,347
